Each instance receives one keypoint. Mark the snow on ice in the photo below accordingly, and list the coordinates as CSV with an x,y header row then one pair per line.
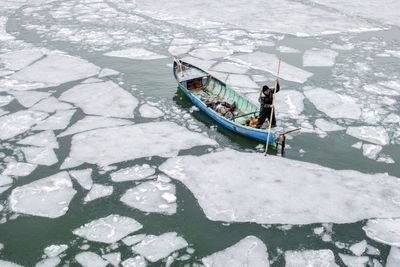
x,y
323,257
386,231
137,172
282,190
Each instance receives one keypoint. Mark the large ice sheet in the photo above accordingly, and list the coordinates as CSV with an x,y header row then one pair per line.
x,y
319,58
105,99
280,190
135,53
312,258
250,252
42,139
386,231
56,69
269,63
20,59
154,248
109,229
108,146
16,123
333,104
47,197
137,172
373,134
58,121
40,155
29,98
152,197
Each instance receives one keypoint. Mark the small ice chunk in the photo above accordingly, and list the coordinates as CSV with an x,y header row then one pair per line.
x,y
386,231
373,134
29,98
240,80
147,197
371,151
319,58
354,261
357,145
113,258
334,105
90,259
371,250
58,121
46,197
9,264
137,261
318,230
51,104
40,155
358,248
286,49
170,198
56,69
393,259
208,53
16,123
106,72
5,100
83,177
5,180
70,163
42,139
55,250
250,251
148,111
137,172
135,53
322,257
105,99
49,262
109,229
15,168
155,248
98,191
327,126
20,59
133,239
93,122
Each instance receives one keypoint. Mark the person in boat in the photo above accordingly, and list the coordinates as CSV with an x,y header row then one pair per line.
x,y
266,97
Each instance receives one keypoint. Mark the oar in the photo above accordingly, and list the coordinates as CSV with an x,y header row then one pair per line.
x,y
273,107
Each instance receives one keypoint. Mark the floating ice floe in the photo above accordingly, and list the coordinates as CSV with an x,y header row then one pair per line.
x,y
83,177
105,99
137,172
15,168
148,111
322,257
393,259
327,126
5,180
281,190
98,191
46,197
8,263
208,53
5,100
289,103
133,239
137,261
319,58
179,50
135,53
70,163
58,121
50,105
56,69
93,122
386,231
373,134
152,197
230,67
42,139
49,262
354,261
371,151
334,105
155,248
106,72
20,59
378,89
40,155
249,251
109,229
29,98
107,146
16,123
358,248
285,49
113,258
269,62
202,64
90,259
240,80
55,250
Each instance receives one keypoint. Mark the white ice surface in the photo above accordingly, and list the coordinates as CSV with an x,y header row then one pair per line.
x,y
289,103
371,151
386,231
286,49
269,63
250,251
15,168
358,248
208,53
105,99
55,250
133,239
137,172
90,259
29,98
49,262
83,177
373,134
230,67
393,259
5,100
354,261
319,58
51,104
5,180
148,111
154,248
202,64
46,197
148,197
108,146
311,258
280,190
20,59
327,126
109,229
40,155
4,263
42,139
106,72
58,121
93,122
135,53
113,258
137,261
98,191
177,50
333,104
56,69
16,123
241,80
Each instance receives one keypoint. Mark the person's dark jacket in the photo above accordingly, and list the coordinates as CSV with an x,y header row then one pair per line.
x,y
266,96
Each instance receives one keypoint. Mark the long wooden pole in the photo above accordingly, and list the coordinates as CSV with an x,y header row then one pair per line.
x,y
273,107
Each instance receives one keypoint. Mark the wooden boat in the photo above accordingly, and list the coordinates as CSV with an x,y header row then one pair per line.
x,y
200,87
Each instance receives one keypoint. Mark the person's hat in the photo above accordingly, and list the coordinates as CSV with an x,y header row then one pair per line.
x,y
265,88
